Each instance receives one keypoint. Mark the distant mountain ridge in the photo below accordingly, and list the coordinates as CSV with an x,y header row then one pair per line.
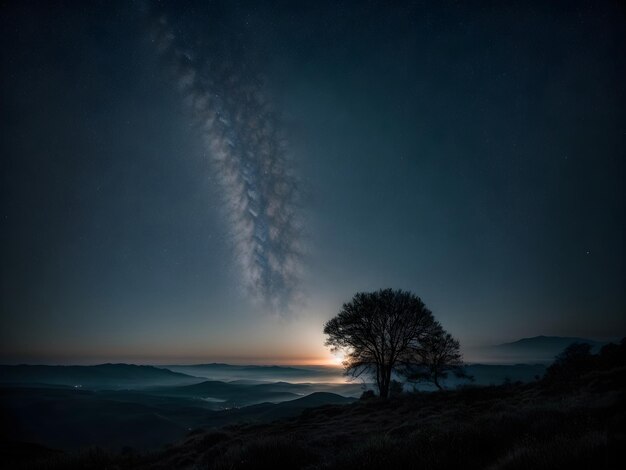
x,y
550,341
108,375
541,349
269,373
246,367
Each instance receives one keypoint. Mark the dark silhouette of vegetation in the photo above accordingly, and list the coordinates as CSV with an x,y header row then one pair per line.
x,y
396,388
613,355
439,355
576,361
387,333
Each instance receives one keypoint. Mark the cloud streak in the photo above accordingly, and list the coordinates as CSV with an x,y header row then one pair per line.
x,y
242,135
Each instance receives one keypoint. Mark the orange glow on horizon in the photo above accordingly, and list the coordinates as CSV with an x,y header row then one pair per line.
x,y
326,358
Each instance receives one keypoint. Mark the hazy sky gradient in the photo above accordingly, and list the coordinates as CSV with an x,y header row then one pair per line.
x,y
473,154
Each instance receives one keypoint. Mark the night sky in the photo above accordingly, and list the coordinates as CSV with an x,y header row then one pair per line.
x,y
470,152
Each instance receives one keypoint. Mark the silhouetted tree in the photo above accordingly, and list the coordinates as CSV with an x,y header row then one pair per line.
x,y
380,332
576,364
575,360
439,355
613,355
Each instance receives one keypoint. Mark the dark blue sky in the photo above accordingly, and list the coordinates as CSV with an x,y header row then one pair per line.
x,y
472,153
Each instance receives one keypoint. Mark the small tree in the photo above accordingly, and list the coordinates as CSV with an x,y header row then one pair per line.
x,y
380,332
440,355
574,361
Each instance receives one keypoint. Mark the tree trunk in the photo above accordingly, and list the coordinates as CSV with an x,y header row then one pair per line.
x,y
385,382
436,381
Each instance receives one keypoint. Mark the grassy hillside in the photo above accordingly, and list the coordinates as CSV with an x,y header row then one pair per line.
x,y
515,426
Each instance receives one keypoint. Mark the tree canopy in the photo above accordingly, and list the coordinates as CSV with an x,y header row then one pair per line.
x,y
384,332
440,355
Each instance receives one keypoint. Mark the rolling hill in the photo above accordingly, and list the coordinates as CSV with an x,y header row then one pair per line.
x,y
68,418
231,372
228,395
103,376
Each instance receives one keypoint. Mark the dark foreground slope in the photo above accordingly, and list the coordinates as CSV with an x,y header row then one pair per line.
x,y
538,426
70,420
